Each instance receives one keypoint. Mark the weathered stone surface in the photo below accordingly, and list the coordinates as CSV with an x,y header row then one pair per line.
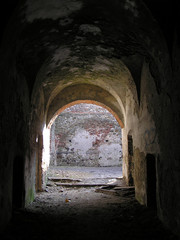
x,y
123,54
86,135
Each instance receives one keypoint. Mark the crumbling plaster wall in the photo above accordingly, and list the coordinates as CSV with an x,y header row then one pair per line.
x,y
20,122
168,162
86,135
14,131
91,49
153,130
140,122
88,93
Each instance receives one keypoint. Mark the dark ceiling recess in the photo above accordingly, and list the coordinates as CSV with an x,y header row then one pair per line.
x,y
166,13
6,10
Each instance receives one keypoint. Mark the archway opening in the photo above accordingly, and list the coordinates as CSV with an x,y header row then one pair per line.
x,y
85,145
130,160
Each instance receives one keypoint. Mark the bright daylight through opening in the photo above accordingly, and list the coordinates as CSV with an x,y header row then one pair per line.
x,y
84,142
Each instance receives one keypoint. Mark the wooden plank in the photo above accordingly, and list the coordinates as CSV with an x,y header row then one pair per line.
x,y
57,179
80,184
124,188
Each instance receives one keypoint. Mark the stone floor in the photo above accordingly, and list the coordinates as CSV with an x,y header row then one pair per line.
x,y
85,213
87,175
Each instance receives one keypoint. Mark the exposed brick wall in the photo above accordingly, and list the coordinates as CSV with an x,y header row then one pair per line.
x,y
86,135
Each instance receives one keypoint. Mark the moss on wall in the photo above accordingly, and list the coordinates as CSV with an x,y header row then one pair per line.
x,y
30,196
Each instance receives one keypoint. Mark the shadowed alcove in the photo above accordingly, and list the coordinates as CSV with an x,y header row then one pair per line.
x,y
122,56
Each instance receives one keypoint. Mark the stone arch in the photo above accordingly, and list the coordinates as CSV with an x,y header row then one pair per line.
x,y
85,93
61,103
88,134
116,71
109,88
89,102
130,158
127,30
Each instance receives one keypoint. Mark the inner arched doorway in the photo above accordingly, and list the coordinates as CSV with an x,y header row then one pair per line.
x,y
85,134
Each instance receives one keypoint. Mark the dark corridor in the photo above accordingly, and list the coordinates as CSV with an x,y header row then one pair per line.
x,y
18,183
123,55
84,213
151,181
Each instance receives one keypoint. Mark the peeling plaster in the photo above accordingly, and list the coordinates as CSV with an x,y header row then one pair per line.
x,y
103,60
89,28
60,56
131,6
100,67
102,64
66,21
99,48
87,135
45,9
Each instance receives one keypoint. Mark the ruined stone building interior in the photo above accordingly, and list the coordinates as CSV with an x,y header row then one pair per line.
x,y
89,119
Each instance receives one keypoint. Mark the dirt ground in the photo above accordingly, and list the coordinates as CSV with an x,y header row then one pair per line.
x,y
77,212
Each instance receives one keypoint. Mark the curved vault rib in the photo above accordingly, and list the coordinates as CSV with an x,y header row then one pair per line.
x,y
89,102
85,92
